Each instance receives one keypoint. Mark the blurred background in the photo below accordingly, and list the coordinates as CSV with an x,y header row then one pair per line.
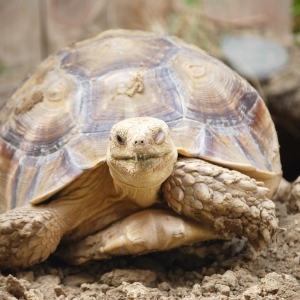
x,y
31,30
259,39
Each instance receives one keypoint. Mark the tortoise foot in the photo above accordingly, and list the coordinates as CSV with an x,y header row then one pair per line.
x,y
28,235
225,199
143,232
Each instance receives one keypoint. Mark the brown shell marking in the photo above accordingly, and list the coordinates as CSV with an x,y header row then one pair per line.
x,y
57,123
135,85
29,103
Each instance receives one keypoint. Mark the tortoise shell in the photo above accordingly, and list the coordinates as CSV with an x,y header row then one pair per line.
x,y
56,124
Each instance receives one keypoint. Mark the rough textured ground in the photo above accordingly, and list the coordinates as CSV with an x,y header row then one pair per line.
x,y
214,270
221,270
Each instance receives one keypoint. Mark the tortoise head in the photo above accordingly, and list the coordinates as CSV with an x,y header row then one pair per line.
x,y
141,152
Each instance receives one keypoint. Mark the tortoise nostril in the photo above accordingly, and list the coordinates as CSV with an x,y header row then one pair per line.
x,y
139,142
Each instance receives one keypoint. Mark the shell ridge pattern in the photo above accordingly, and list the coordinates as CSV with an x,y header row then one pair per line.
x,y
44,147
210,142
255,133
246,109
38,164
31,183
236,85
52,179
11,166
83,99
176,88
180,91
16,184
200,142
67,159
80,70
165,85
207,138
243,150
259,147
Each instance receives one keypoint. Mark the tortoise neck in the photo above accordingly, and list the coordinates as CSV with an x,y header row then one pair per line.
x,y
144,197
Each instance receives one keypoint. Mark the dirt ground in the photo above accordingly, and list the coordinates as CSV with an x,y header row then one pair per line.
x,y
221,270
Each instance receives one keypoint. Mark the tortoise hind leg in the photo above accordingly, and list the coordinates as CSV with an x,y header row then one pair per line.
x,y
143,232
29,234
227,200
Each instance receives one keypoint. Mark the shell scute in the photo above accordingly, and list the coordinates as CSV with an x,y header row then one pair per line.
x,y
108,54
40,125
159,98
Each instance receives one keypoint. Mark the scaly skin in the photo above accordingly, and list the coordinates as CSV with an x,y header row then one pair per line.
x,y
28,235
225,199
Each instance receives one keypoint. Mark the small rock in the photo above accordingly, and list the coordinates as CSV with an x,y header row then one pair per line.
x,y
29,276
223,289
198,275
45,284
17,287
34,294
197,290
210,271
117,277
253,293
135,290
164,286
280,285
208,287
48,280
78,279
59,291
182,292
104,288
229,278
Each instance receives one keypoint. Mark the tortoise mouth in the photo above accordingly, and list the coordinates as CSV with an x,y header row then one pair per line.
x,y
140,162
139,157
142,169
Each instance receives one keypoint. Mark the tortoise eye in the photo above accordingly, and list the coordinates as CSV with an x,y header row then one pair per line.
x,y
120,140
160,137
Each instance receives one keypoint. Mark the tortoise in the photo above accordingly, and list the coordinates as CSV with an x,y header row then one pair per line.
x,y
132,142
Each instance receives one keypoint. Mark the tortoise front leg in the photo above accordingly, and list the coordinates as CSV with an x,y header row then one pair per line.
x,y
29,234
143,232
226,200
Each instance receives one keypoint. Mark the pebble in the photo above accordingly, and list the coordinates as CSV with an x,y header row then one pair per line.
x,y
78,279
